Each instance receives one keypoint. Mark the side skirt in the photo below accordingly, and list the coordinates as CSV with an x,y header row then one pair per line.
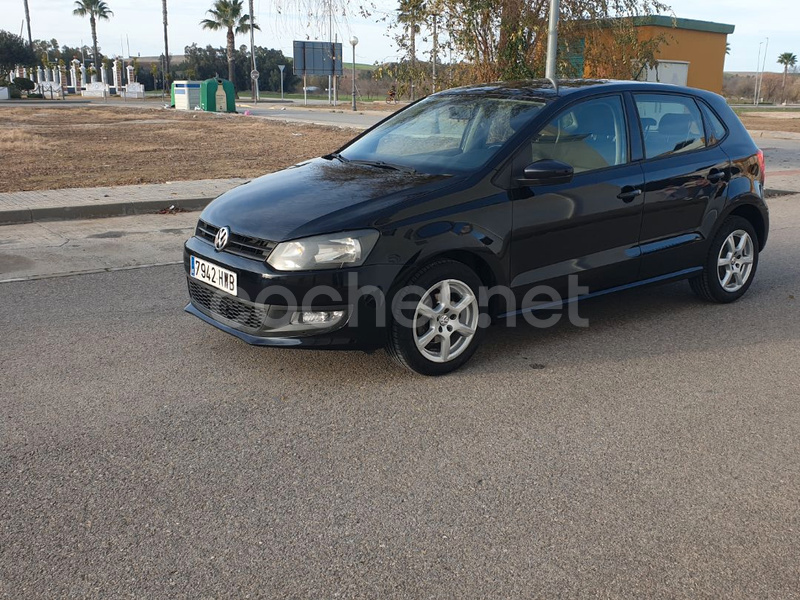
x,y
558,304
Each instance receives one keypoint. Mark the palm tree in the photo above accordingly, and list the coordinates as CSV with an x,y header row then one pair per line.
x,y
95,9
410,13
228,15
787,59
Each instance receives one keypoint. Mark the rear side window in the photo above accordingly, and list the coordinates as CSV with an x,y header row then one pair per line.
x,y
715,129
670,124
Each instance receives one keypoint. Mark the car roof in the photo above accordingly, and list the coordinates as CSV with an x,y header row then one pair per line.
x,y
543,89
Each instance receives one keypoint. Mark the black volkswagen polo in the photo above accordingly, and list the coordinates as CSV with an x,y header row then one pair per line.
x,y
484,203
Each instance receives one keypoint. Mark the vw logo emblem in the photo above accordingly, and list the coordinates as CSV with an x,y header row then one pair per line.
x,y
222,237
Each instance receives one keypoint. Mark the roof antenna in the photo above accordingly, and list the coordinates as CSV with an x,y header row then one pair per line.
x,y
554,84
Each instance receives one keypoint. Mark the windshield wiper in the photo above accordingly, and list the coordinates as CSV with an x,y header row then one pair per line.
x,y
339,156
383,165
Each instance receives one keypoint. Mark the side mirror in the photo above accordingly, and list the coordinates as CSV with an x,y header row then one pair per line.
x,y
546,172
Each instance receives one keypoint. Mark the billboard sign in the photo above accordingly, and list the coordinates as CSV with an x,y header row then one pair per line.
x,y
317,58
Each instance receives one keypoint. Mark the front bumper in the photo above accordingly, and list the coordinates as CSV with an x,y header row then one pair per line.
x,y
261,312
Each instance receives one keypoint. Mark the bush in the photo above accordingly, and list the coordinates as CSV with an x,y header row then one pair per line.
x,y
14,92
35,95
23,84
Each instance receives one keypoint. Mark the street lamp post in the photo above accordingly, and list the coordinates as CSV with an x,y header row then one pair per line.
x,y
353,42
758,64
763,66
254,72
552,41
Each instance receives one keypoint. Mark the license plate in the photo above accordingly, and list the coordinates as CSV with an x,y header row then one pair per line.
x,y
213,275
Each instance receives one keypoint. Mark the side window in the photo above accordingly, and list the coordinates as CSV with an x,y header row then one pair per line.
x,y
587,136
716,130
671,124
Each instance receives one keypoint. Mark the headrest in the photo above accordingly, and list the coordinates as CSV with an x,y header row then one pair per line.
x,y
675,124
597,119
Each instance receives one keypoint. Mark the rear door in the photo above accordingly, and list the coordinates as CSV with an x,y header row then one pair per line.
x,y
588,227
686,174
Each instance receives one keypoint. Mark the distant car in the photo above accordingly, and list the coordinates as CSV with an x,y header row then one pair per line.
x,y
394,240
311,89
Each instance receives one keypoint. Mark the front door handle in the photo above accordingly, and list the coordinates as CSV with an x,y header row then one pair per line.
x,y
628,193
715,176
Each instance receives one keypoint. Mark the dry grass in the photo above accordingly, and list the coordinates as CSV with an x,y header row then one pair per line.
x,y
17,140
49,148
62,147
772,121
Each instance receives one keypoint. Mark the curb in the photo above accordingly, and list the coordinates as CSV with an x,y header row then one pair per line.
x,y
111,209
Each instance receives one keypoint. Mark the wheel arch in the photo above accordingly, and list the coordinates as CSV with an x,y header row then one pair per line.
x,y
751,208
750,212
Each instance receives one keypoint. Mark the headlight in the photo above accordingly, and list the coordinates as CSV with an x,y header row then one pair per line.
x,y
331,251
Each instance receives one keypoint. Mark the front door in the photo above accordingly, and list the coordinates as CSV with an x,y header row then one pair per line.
x,y
587,228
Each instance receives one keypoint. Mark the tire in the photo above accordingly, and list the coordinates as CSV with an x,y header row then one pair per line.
x,y
431,336
726,263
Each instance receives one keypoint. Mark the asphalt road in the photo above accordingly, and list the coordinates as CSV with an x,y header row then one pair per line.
x,y
339,116
653,454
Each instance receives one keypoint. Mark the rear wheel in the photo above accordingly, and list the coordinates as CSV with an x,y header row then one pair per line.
x,y
731,264
436,328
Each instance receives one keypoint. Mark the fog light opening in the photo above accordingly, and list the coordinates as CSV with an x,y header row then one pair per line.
x,y
323,317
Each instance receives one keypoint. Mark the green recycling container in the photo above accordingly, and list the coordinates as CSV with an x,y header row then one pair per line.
x,y
217,95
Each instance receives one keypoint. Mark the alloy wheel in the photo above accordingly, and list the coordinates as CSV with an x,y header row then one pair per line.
x,y
445,320
735,261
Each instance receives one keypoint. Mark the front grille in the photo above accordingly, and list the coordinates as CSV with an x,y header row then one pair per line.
x,y
220,304
240,245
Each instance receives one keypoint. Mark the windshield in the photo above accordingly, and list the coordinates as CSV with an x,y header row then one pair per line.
x,y
444,134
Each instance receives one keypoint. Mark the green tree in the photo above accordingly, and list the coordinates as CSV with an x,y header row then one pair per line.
x,y
410,14
94,9
230,16
787,59
203,63
14,51
507,39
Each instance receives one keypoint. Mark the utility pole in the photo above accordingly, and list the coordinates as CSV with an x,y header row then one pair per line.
x,y
552,41
166,44
28,21
435,48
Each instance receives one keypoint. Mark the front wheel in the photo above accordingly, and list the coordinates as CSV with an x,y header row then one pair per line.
x,y
436,319
731,264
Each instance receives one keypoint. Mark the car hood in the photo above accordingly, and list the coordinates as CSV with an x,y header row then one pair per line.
x,y
317,196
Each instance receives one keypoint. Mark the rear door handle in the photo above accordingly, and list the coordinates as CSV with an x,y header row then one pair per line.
x,y
628,193
715,176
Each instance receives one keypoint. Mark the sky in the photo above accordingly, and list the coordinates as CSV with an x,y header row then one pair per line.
x,y
137,23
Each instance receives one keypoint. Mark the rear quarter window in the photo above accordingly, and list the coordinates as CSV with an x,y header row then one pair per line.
x,y
715,129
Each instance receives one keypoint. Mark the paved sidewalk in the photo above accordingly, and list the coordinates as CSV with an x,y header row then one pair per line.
x,y
83,203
